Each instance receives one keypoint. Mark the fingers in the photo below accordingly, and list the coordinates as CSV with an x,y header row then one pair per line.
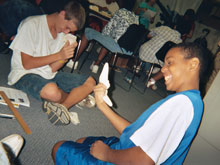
x,y
95,144
100,92
75,44
100,87
67,43
99,150
68,50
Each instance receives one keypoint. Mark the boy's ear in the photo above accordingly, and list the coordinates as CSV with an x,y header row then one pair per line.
x,y
62,13
194,63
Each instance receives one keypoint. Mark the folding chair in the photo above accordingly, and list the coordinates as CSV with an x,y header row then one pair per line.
x,y
128,44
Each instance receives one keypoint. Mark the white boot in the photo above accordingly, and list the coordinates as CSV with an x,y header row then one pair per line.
x,y
94,68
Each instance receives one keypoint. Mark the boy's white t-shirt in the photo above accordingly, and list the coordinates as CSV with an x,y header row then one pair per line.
x,y
33,38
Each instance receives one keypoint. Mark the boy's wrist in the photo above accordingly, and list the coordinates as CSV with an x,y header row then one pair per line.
x,y
62,61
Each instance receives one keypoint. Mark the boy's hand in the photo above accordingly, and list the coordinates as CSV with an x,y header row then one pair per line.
x,y
67,51
100,150
99,91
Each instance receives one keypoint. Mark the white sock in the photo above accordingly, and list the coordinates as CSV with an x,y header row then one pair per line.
x,y
152,80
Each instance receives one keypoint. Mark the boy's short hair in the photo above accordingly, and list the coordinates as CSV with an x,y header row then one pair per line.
x,y
192,50
75,11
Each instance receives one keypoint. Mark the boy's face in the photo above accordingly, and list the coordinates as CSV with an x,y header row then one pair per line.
x,y
175,70
64,25
68,26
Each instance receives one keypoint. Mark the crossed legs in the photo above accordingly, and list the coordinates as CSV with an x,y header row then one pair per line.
x,y
53,93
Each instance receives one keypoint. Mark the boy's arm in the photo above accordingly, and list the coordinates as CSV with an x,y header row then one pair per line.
x,y
117,121
134,155
56,60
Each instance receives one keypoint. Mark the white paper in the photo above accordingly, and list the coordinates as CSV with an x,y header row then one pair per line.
x,y
69,37
17,97
103,78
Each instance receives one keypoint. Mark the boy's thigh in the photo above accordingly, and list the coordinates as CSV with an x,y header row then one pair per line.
x,y
68,81
32,84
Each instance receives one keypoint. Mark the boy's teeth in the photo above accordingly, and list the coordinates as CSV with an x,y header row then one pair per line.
x,y
167,78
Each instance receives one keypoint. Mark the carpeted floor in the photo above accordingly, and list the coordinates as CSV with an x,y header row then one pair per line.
x,y
38,145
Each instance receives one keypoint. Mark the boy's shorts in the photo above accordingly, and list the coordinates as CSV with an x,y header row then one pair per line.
x,y
79,153
32,84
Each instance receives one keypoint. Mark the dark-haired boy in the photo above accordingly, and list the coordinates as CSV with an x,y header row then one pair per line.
x,y
163,133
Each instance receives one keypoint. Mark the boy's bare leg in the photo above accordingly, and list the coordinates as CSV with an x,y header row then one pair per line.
x,y
158,76
58,144
79,93
52,93
102,54
55,148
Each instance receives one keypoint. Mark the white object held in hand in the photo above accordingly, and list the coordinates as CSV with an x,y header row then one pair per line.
x,y
69,37
103,78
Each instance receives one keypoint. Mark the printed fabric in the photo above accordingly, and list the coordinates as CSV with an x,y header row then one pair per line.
x,y
119,23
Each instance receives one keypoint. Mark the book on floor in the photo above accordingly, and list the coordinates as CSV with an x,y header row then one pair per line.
x,y
16,96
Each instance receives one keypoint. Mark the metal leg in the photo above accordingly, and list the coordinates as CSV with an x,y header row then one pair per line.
x,y
74,56
112,71
84,60
134,71
149,75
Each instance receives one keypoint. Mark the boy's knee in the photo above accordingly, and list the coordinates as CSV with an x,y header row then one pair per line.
x,y
51,92
55,148
81,140
90,82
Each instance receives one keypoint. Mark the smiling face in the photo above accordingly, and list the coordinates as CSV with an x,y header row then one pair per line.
x,y
176,70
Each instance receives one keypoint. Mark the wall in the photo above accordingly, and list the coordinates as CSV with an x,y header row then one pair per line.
x,y
206,147
213,37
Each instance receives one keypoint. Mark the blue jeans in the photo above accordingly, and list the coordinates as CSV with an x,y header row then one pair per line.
x,y
32,83
105,40
12,12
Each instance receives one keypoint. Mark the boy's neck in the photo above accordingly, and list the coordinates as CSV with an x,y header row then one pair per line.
x,y
191,85
51,21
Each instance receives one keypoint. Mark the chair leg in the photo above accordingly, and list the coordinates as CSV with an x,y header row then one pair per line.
x,y
134,71
149,75
74,62
84,60
112,71
74,56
